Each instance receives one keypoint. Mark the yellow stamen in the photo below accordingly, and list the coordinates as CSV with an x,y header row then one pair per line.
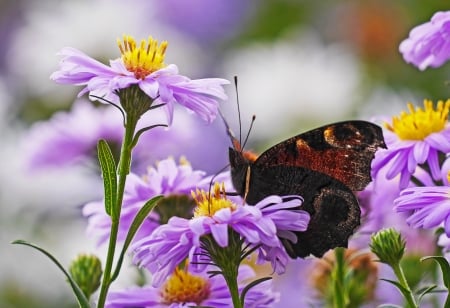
x,y
420,123
448,177
207,204
142,60
183,287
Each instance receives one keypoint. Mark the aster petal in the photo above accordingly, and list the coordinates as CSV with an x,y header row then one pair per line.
x,y
398,164
434,165
438,212
78,68
220,234
447,224
150,87
133,297
440,140
420,150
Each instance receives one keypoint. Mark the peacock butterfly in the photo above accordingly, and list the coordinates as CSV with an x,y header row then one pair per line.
x,y
324,166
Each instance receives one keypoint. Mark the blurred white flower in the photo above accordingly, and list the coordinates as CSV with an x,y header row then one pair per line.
x,y
90,26
291,81
383,101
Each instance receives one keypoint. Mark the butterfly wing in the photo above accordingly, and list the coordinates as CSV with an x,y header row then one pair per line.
x,y
343,151
333,208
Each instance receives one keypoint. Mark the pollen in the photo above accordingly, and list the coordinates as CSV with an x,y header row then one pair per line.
x,y
144,59
183,287
420,123
208,204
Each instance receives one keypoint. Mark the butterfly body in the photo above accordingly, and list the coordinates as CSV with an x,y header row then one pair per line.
x,y
324,166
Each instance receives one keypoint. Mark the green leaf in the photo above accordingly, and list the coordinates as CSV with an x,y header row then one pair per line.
x,y
82,300
251,285
108,167
398,285
425,291
140,216
445,267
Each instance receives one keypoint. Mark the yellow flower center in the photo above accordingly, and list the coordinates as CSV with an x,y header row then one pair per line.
x,y
183,287
420,123
207,204
142,60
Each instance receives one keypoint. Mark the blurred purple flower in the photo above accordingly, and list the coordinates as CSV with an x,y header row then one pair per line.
x,y
427,207
205,20
378,213
429,43
170,244
71,137
168,179
413,139
143,66
188,289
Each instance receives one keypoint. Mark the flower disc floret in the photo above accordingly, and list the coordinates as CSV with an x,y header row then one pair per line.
x,y
142,60
414,139
184,287
420,123
208,205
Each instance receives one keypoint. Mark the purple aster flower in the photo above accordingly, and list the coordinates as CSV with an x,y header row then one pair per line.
x,y
428,44
258,225
168,179
414,139
185,288
144,67
428,207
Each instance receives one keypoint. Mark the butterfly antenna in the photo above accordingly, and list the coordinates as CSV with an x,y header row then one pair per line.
x,y
249,130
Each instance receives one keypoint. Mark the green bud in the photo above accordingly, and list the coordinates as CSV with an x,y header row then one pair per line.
x,y
134,101
86,270
388,245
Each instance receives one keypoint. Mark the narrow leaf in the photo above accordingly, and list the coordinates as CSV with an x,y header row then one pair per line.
x,y
445,267
425,291
251,285
402,289
82,300
108,167
137,222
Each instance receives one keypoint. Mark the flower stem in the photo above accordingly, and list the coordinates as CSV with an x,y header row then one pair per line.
x,y
234,291
402,280
123,170
339,292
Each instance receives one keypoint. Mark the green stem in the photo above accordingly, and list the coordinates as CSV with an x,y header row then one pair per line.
x,y
234,291
402,280
339,292
122,170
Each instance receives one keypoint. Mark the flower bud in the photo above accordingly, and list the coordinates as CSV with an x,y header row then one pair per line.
x,y
86,270
388,245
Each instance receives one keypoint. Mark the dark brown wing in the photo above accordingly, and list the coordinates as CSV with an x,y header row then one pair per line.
x,y
341,150
333,208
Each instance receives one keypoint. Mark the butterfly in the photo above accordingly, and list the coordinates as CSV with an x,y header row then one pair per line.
x,y
324,166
